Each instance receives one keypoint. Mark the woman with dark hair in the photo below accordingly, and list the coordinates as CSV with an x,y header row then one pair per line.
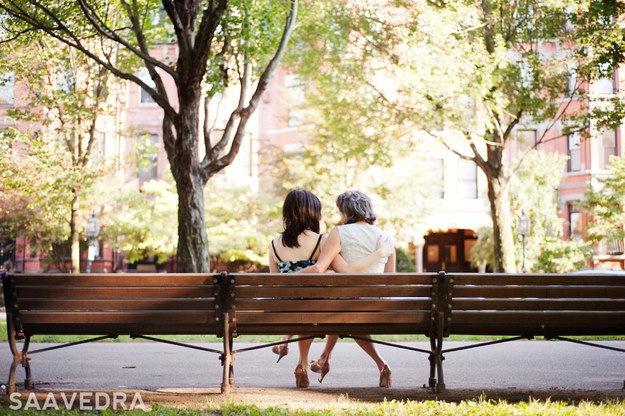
x,y
297,247
354,240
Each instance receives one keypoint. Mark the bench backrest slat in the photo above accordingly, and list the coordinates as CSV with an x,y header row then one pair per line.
x,y
548,305
118,304
330,303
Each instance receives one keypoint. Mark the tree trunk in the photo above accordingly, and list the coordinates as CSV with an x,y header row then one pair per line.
x,y
73,229
192,253
192,238
502,223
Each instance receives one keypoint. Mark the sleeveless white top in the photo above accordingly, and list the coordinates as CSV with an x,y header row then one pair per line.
x,y
360,240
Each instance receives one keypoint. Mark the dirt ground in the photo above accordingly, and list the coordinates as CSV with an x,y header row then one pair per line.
x,y
319,398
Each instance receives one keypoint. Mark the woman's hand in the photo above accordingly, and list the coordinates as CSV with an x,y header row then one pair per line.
x,y
385,246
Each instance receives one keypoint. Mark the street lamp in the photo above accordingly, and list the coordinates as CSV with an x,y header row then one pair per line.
x,y
92,230
523,226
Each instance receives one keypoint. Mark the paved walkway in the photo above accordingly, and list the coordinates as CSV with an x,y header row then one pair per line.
x,y
540,365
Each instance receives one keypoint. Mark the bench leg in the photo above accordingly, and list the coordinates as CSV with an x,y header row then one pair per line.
x,y
19,357
227,359
436,358
432,358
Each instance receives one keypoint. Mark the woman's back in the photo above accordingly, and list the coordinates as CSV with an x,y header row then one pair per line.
x,y
292,259
359,240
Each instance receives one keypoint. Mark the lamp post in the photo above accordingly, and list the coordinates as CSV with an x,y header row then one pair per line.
x,y
92,230
523,227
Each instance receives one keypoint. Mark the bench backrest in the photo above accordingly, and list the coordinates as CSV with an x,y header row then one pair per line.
x,y
273,304
535,304
112,304
331,303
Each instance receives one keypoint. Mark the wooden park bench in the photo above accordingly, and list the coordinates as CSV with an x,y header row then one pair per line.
x,y
106,305
351,305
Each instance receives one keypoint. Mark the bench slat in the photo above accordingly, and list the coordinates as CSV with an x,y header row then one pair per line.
x,y
330,292
617,319
121,279
539,292
119,329
534,330
185,304
73,292
332,305
537,279
334,329
336,318
539,304
134,317
332,279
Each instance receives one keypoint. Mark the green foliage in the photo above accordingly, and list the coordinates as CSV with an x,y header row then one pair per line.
x,y
49,177
403,261
37,183
533,190
482,252
605,204
464,73
562,256
240,223
140,224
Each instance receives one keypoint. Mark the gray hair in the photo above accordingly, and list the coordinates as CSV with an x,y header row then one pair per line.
x,y
356,206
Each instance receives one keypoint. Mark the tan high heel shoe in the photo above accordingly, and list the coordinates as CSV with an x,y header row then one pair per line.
x,y
281,350
385,377
323,369
301,376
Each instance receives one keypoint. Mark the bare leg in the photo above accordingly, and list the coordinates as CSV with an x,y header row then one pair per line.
x,y
282,349
331,341
304,348
322,364
301,371
369,348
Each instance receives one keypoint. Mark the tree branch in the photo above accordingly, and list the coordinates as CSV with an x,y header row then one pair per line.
x,y
209,167
73,41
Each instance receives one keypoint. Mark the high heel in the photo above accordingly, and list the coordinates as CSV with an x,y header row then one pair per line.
x,y
323,369
385,377
281,350
301,376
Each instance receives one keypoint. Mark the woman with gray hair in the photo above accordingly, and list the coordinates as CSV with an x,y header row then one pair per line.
x,y
355,239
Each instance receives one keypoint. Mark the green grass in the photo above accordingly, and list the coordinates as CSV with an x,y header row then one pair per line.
x,y
424,408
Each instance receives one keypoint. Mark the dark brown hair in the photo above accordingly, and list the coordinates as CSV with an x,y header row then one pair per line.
x,y
301,211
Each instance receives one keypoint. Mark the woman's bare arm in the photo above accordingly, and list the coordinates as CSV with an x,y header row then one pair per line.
x,y
385,249
389,267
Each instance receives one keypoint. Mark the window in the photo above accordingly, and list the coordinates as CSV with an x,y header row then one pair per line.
x,y
295,97
97,151
7,88
607,147
576,229
147,156
432,254
526,139
467,179
65,79
604,85
575,159
571,80
437,175
144,97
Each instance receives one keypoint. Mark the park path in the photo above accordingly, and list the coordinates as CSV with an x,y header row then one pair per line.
x,y
523,365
